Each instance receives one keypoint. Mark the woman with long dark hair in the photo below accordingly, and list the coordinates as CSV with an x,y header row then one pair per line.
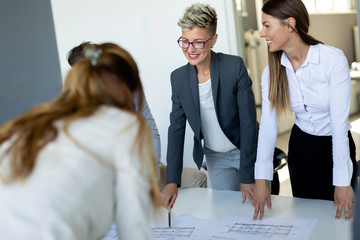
x,y
312,80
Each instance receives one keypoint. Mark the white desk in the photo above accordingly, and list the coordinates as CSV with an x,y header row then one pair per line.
x,y
214,204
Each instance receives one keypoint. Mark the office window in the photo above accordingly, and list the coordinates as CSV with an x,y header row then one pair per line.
x,y
310,5
329,6
241,7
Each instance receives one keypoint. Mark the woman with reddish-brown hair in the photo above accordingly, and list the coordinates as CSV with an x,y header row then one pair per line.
x,y
72,166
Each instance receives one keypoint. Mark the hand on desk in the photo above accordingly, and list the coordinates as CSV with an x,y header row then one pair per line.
x,y
248,190
169,194
261,194
343,197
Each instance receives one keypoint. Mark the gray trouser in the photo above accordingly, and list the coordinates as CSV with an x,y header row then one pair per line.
x,y
223,169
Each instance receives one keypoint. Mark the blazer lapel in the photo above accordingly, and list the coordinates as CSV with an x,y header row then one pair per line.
x,y
194,87
215,76
194,121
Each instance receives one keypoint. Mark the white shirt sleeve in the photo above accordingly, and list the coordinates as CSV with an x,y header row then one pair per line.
x,y
133,206
340,86
267,133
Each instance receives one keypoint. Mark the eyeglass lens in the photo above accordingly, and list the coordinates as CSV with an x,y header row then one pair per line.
x,y
186,44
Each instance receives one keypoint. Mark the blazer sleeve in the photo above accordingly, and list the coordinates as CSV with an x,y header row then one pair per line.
x,y
155,134
248,125
176,135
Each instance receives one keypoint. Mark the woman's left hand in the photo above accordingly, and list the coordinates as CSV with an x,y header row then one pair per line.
x,y
343,197
248,190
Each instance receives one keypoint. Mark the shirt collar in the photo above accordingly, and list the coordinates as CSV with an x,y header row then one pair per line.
x,y
313,56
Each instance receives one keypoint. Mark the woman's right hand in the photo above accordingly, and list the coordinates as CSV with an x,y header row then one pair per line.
x,y
261,194
343,198
169,194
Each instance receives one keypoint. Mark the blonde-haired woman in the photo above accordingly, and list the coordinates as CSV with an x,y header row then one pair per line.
x,y
312,80
71,166
213,92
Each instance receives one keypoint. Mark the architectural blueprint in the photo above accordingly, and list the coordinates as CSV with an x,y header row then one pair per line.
x,y
188,227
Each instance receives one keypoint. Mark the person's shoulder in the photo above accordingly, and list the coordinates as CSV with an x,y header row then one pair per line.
x,y
117,123
331,56
107,124
111,116
227,61
177,76
112,111
328,50
180,70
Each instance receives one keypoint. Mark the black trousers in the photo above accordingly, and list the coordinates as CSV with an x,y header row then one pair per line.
x,y
310,164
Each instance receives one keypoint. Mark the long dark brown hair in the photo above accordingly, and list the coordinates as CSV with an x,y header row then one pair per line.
x,y
88,85
278,82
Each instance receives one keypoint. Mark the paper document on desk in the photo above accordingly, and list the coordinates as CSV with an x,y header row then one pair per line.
x,y
237,227
112,234
183,227
188,227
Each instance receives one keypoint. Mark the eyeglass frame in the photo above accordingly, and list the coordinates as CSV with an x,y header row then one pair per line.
x,y
192,43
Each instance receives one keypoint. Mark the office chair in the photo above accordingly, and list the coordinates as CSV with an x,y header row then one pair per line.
x,y
280,161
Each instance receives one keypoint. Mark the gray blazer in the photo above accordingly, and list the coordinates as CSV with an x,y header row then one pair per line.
x,y
235,109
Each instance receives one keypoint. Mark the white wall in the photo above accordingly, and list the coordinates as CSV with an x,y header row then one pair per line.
x,y
335,30
148,30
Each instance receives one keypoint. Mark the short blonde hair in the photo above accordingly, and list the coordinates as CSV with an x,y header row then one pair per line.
x,y
199,15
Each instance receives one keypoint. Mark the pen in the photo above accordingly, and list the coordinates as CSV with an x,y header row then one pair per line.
x,y
169,216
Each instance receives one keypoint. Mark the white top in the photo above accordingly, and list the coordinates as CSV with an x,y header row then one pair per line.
x,y
320,98
214,137
70,195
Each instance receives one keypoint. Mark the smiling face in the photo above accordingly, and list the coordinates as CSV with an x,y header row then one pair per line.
x,y
276,33
198,57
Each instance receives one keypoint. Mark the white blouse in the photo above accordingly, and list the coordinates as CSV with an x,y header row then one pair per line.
x,y
72,195
214,137
320,98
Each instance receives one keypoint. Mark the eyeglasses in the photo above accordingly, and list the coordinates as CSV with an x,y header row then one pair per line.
x,y
185,44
